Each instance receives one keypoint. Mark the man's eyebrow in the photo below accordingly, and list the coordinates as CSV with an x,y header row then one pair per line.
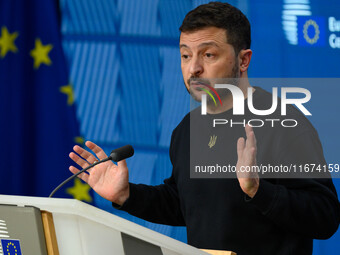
x,y
183,46
202,45
205,44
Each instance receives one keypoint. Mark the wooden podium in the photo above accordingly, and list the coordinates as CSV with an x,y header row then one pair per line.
x,y
71,227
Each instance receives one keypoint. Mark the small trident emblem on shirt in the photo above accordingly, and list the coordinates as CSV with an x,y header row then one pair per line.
x,y
212,141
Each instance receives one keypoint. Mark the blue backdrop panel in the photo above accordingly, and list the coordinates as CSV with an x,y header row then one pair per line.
x,y
94,73
88,16
171,14
140,79
139,17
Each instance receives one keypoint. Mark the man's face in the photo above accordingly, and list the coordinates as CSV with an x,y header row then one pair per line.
x,y
206,55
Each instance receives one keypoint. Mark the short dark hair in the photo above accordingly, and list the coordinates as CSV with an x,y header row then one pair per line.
x,y
220,15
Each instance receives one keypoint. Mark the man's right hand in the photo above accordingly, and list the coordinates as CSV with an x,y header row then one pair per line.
x,y
107,179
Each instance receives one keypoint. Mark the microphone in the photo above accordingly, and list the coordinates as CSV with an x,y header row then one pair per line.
x,y
122,153
116,155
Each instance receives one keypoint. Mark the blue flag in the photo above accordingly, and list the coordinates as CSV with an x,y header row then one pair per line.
x,y
10,246
311,31
38,122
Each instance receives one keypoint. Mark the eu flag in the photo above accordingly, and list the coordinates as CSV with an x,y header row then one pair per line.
x,y
311,31
10,246
38,122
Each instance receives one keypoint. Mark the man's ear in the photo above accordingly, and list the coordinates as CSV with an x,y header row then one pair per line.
x,y
244,59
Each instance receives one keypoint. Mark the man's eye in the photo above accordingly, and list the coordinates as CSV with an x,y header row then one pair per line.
x,y
185,56
209,55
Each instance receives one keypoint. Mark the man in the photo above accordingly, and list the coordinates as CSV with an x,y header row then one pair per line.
x,y
246,214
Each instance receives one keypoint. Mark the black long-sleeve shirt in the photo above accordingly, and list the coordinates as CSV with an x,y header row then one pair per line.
x,y
283,217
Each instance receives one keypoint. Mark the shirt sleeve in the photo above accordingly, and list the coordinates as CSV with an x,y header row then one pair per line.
x,y
309,207
158,204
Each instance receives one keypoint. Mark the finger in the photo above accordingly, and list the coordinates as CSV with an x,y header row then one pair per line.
x,y
78,160
251,141
254,137
96,149
248,130
240,147
89,157
122,164
83,176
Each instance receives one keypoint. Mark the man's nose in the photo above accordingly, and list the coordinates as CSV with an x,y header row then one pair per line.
x,y
196,67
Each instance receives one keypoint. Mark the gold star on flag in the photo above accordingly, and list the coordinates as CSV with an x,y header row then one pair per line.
x,y
79,140
40,54
7,42
68,90
80,191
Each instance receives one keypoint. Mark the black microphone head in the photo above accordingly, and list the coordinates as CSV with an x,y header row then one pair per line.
x,y
122,153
